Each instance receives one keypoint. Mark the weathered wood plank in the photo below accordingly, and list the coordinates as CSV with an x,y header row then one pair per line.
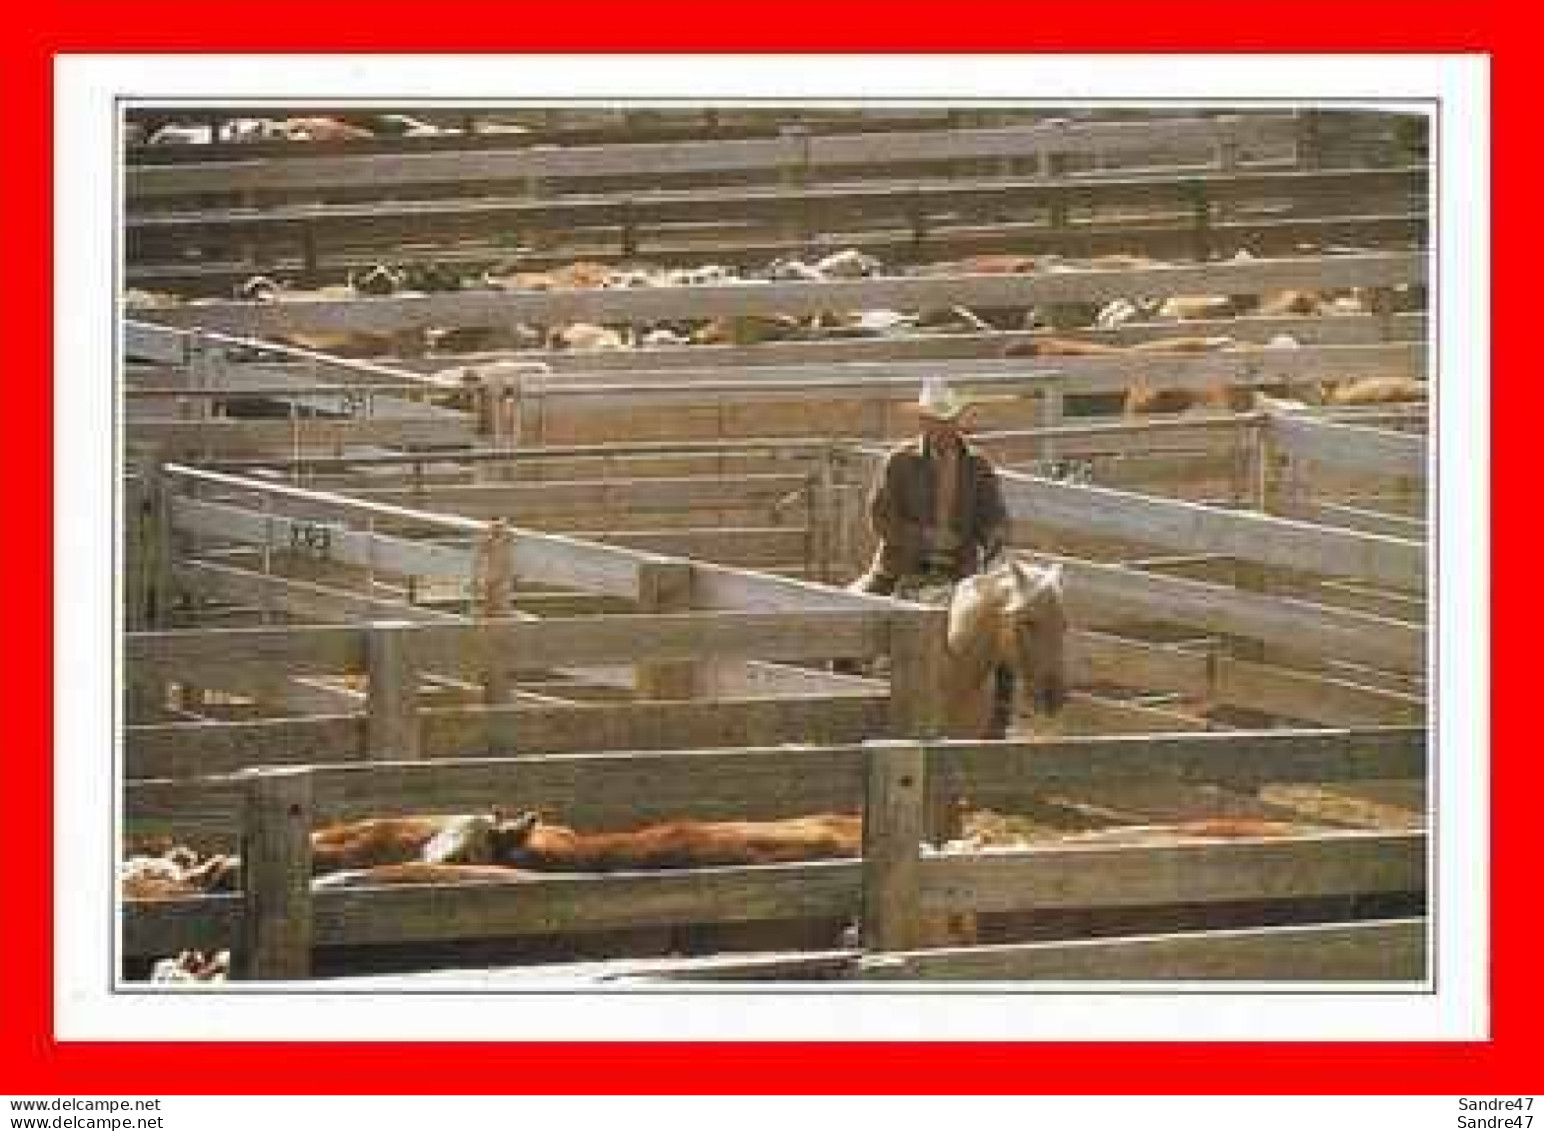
x,y
590,499
1334,190
226,437
664,637
655,726
893,819
1105,594
1196,528
393,729
1350,863
160,928
188,749
1373,951
1352,447
292,650
996,773
642,159
560,903
276,875
1101,658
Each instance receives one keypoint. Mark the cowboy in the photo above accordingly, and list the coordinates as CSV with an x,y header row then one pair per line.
x,y
937,509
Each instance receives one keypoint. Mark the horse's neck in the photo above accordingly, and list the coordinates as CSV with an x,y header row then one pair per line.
x,y
972,642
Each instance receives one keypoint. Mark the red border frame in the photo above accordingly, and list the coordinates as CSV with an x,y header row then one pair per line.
x,y
31,1061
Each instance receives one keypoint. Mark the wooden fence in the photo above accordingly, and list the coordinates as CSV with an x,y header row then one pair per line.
x,y
800,156
277,919
1194,215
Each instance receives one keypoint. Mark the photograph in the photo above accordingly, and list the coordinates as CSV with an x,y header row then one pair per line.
x,y
848,573
754,542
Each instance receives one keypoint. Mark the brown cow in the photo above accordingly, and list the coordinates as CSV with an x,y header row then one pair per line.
x,y
176,873
323,129
1144,400
1050,345
529,842
193,966
1375,390
379,840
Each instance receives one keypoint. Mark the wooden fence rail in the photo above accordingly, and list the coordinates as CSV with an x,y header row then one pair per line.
x,y
865,200
802,154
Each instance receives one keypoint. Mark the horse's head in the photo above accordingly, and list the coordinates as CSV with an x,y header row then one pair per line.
x,y
1032,632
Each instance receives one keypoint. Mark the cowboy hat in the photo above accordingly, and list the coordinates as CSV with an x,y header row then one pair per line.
x,y
939,401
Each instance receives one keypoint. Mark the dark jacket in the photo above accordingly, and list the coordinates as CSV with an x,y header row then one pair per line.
x,y
901,507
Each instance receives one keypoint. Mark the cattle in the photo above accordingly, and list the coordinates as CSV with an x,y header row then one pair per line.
x,y
749,330
664,336
998,264
402,125
431,277
527,841
482,339
258,288
1374,390
1144,400
374,841
324,129
1121,311
1049,345
630,277
861,324
176,133
1189,308
176,873
697,276
139,297
193,966
583,275
954,319
378,280
585,337
849,264
792,271
1205,828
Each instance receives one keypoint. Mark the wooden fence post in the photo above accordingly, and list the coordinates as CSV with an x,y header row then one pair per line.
x,y
665,587
1250,576
497,560
918,642
157,546
796,175
392,725
276,874
892,838
1310,143
824,518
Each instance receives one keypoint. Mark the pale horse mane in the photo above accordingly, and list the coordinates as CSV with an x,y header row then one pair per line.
x,y
1013,615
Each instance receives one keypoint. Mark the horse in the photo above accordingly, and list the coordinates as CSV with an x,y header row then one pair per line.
x,y
1012,616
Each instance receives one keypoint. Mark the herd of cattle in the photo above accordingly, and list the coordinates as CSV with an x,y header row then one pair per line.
x,y
494,848
1054,322
167,130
